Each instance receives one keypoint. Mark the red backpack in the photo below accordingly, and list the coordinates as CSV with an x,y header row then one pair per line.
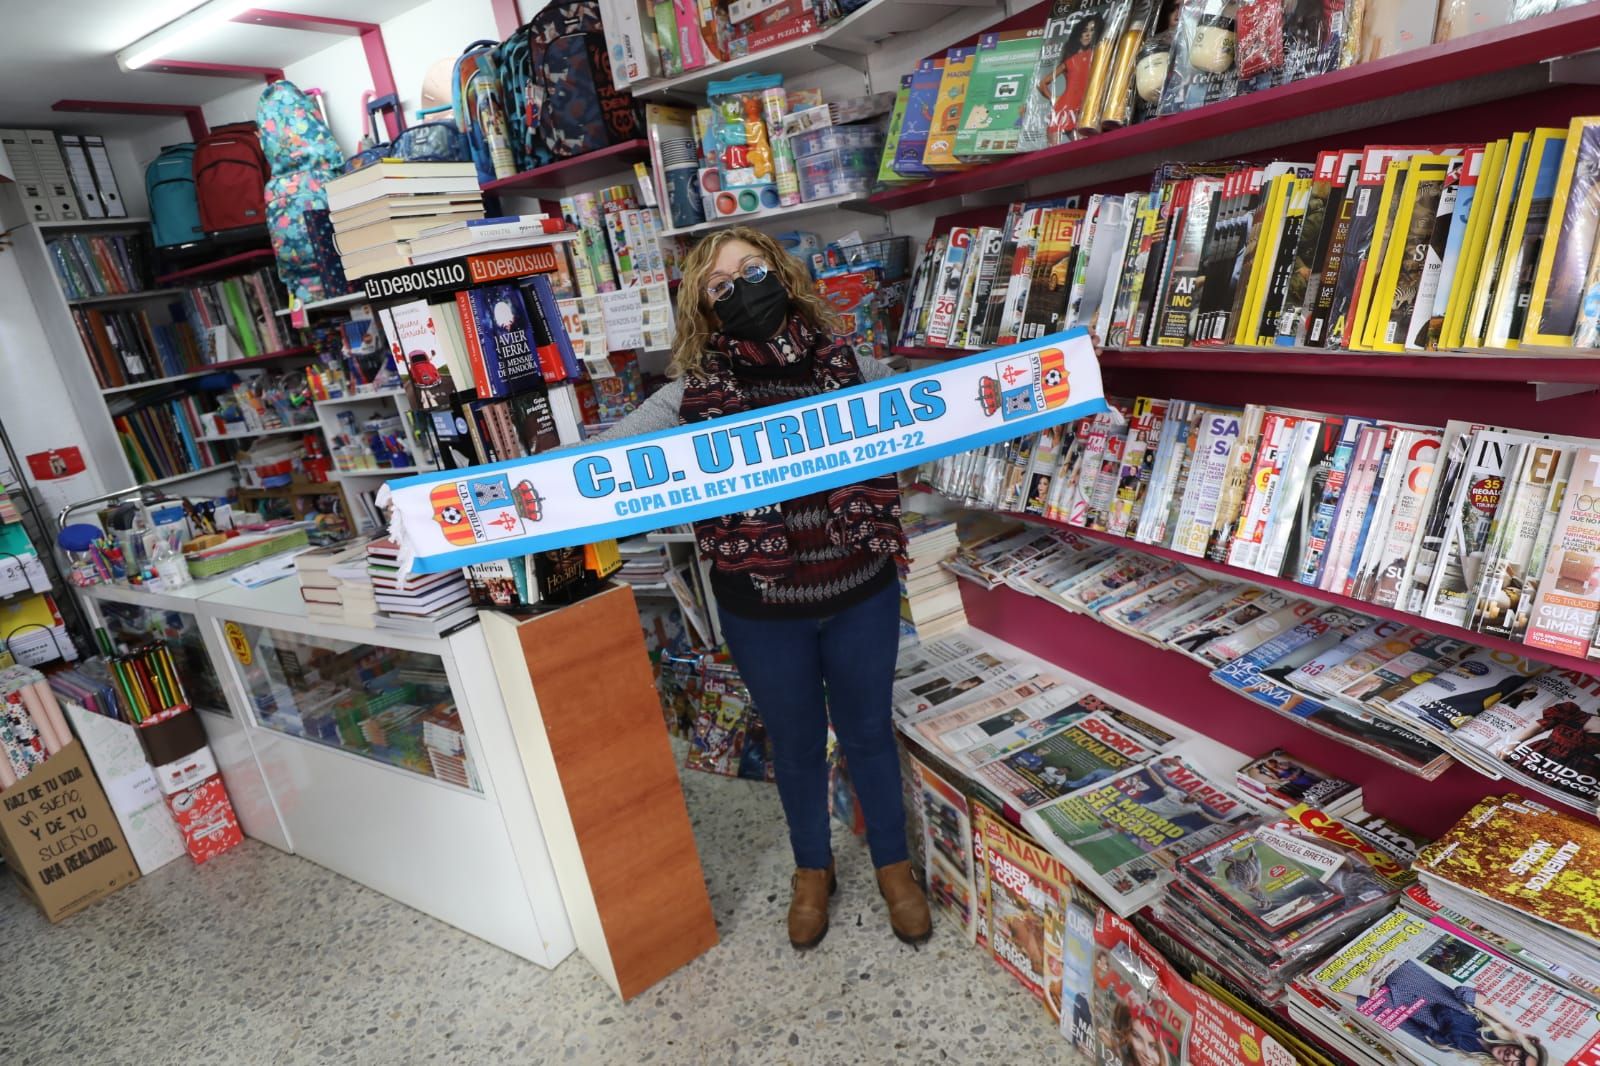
x,y
230,178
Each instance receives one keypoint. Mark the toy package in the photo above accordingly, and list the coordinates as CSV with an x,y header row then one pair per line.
x,y
991,121
920,102
738,133
940,152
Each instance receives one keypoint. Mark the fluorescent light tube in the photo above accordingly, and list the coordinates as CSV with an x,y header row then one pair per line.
x,y
181,31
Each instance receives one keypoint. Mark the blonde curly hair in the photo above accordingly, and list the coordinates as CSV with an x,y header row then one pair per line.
x,y
697,319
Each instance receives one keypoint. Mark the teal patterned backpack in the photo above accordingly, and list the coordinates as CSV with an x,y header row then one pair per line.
x,y
304,157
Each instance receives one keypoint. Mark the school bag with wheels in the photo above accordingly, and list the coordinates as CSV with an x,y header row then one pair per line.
x,y
304,157
480,110
230,176
169,189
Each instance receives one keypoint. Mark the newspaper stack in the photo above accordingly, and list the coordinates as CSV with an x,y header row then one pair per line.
x,y
1425,994
1524,870
326,592
930,601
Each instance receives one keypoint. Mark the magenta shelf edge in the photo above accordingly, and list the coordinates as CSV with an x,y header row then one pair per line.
x,y
578,168
1511,368
1559,33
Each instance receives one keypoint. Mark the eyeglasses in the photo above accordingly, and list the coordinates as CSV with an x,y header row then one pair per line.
x,y
753,269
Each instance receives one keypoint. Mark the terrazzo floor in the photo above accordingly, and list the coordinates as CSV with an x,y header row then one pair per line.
x,y
262,958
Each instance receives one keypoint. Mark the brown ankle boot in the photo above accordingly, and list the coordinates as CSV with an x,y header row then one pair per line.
x,y
908,907
808,910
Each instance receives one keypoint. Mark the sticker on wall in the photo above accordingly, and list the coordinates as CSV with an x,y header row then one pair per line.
x,y
238,643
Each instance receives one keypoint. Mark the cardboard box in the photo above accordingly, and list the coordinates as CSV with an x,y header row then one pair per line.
x,y
60,837
130,786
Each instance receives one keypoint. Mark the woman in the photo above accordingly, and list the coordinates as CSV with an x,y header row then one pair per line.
x,y
807,591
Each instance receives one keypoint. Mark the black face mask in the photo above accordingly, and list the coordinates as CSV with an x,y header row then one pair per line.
x,y
756,310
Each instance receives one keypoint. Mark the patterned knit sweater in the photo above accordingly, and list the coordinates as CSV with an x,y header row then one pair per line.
x,y
824,578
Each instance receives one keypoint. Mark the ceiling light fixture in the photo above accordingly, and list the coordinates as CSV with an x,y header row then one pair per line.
x,y
179,32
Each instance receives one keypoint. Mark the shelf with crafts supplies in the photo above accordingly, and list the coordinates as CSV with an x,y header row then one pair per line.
x,y
789,42
1159,97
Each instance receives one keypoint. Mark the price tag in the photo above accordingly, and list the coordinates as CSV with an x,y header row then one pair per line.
x,y
623,311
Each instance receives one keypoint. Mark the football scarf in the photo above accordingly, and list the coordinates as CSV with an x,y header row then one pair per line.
x,y
454,518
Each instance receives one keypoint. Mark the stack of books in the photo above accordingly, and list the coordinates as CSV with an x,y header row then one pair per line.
x,y
446,748
413,602
376,209
333,583
930,601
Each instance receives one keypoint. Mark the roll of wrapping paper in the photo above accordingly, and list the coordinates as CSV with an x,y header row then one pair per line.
x,y
53,740
52,709
21,746
148,683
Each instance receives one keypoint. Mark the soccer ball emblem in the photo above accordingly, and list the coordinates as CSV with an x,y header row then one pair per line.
x,y
451,515
1054,376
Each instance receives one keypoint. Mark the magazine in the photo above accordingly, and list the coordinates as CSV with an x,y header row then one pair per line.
x,y
1027,891
1281,780
947,847
1123,834
949,730
1438,999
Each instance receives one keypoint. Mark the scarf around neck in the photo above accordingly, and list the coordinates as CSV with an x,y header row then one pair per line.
x,y
864,516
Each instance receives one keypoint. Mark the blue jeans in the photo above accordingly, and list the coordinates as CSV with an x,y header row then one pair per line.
x,y
801,674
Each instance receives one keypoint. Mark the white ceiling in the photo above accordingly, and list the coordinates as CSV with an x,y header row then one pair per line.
x,y
66,49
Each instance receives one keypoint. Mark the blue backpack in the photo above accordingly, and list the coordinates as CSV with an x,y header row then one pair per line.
x,y
304,157
480,110
169,188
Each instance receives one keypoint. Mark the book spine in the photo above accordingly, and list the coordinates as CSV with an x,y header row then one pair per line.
x,y
475,356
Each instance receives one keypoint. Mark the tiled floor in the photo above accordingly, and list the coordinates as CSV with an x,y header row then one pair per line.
x,y
262,958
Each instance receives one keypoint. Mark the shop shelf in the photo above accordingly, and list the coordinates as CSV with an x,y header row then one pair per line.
x,y
564,173
1583,369
853,37
1287,108
122,297
227,264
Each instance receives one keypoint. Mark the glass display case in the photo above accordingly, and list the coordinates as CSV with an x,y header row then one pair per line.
x,y
132,625
387,704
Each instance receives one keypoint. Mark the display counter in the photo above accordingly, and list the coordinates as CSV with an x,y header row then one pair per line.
x,y
385,756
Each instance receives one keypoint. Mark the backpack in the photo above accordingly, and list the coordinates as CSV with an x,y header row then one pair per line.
x,y
480,111
229,175
556,76
304,157
169,188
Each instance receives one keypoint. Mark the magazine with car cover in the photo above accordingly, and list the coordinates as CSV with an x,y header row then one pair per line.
x,y
1513,534
1438,998
1567,602
947,847
1051,272
1089,750
1492,458
1558,281
965,721
1282,780
1123,835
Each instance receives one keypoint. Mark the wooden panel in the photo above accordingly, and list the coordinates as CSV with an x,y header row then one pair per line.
x,y
598,702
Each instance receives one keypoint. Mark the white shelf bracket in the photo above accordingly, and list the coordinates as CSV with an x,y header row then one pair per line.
x,y
1581,69
854,60
1555,390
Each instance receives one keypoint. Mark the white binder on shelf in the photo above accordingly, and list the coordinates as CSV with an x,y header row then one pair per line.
x,y
19,154
82,175
53,174
105,179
